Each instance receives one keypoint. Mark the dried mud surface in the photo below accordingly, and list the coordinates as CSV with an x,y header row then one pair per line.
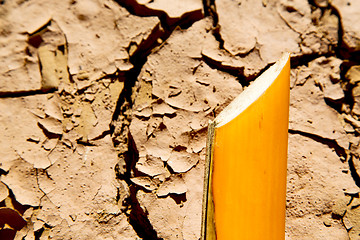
x,y
104,107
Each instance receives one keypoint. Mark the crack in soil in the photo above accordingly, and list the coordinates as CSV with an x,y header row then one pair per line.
x,y
16,94
353,171
331,143
138,216
119,128
237,72
210,10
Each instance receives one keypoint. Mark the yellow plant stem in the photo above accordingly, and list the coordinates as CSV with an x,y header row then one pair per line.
x,y
249,167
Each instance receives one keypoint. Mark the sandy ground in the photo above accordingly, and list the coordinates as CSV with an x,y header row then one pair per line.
x,y
104,108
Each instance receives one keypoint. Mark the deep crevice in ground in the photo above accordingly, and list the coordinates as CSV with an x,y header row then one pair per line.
x,y
16,94
305,59
210,10
353,171
137,218
128,156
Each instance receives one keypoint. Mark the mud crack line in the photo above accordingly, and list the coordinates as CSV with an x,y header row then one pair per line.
x,y
340,151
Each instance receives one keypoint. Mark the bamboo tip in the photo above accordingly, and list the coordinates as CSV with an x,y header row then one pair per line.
x,y
252,93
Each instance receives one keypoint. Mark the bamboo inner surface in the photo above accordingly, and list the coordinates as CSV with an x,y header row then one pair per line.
x,y
249,167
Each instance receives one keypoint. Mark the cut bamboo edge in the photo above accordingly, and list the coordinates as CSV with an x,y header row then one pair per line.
x,y
245,171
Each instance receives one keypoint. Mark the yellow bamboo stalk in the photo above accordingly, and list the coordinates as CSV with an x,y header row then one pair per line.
x,y
245,185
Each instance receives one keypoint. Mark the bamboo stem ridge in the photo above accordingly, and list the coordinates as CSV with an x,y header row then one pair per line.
x,y
248,158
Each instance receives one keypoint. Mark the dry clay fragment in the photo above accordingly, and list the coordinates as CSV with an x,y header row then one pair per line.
x,y
13,58
81,185
162,109
100,52
198,142
92,118
193,180
50,144
349,12
249,66
137,127
174,11
352,218
203,90
353,74
16,64
179,124
175,184
52,108
355,162
145,112
308,110
35,154
49,67
306,176
144,182
159,144
151,166
24,136
340,205
22,180
87,120
45,49
318,31
48,214
51,125
356,95
348,118
181,162
195,96
192,85
144,92
4,192
103,107
247,25
330,80
164,215
321,3
222,58
333,92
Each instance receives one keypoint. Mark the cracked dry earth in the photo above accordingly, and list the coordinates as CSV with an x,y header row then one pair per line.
x,y
104,108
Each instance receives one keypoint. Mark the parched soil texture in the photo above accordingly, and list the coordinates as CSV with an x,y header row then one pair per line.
x,y
104,106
